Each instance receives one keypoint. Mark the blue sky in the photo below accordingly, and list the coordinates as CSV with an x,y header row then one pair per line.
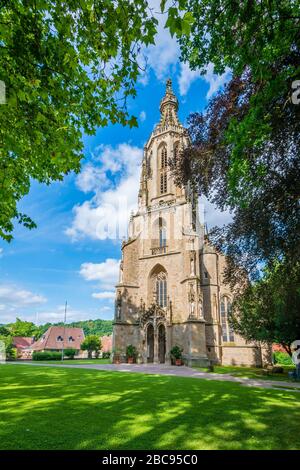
x,y
69,256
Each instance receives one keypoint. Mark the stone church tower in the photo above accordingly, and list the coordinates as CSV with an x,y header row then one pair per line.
x,y
170,289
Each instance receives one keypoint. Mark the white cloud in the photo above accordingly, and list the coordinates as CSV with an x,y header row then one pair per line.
x,y
106,273
143,116
1,252
188,76
215,81
13,297
162,56
91,178
212,216
106,214
103,295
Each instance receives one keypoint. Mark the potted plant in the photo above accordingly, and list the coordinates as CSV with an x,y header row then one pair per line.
x,y
176,355
131,353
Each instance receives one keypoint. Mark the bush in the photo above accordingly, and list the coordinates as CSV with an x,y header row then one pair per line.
x,y
282,358
11,354
46,356
70,353
106,355
176,352
131,351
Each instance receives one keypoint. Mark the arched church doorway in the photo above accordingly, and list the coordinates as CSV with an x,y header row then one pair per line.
x,y
150,343
161,344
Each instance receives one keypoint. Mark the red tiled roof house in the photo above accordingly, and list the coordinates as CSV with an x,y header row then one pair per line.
x,y
57,338
23,346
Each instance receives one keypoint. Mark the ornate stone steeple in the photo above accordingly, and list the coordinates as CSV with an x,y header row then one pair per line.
x,y
168,108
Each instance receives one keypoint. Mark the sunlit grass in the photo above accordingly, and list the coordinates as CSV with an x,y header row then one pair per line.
x,y
73,361
59,408
251,372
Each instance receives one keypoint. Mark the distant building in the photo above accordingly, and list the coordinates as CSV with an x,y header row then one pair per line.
x,y
23,345
106,342
57,338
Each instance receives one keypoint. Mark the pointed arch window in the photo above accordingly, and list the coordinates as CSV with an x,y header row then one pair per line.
x,y
227,331
161,290
176,150
163,183
162,234
164,158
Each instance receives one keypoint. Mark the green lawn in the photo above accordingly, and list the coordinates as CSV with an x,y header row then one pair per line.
x,y
76,361
251,372
56,408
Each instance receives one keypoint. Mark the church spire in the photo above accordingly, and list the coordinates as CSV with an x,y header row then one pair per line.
x,y
169,107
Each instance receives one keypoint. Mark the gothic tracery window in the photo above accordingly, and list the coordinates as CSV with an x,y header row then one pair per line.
x,y
161,290
164,157
163,183
227,332
163,170
176,150
162,234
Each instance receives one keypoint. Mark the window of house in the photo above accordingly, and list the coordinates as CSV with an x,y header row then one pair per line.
x,y
227,332
59,338
71,339
161,290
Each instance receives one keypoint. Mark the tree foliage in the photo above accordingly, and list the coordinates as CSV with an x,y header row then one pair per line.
x,y
68,67
90,327
22,328
268,310
91,343
244,152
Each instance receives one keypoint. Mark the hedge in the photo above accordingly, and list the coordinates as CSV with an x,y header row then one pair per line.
x,y
46,356
282,358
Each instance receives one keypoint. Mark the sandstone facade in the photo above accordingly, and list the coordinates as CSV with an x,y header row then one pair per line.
x,y
171,289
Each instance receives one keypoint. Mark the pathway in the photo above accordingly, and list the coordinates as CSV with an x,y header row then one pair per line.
x,y
165,369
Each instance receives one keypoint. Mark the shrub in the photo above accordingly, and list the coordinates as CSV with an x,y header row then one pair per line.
x,y
131,351
11,354
106,355
46,356
282,358
176,352
70,353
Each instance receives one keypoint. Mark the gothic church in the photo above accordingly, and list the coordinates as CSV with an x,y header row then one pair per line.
x,y
170,290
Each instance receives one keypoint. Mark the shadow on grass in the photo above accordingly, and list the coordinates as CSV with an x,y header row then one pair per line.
x,y
91,409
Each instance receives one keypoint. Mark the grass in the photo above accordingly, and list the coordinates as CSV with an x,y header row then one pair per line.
x,y
76,361
60,408
251,372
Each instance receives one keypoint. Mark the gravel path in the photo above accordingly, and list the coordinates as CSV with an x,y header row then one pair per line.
x,y
165,369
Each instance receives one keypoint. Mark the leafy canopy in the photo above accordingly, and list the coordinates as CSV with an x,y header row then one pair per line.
x,y
68,67
244,153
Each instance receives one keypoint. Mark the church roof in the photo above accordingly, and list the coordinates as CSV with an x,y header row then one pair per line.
x,y
168,108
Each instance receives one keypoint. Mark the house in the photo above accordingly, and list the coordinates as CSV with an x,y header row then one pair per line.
x,y
106,342
57,338
23,346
